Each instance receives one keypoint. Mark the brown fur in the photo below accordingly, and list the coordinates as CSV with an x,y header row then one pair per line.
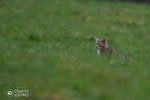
x,y
102,47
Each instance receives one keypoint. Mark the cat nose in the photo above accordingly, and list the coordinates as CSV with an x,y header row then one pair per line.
x,y
96,46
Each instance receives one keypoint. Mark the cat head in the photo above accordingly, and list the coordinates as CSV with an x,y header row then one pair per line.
x,y
101,43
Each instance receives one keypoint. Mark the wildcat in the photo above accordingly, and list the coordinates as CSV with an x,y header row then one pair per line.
x,y
103,47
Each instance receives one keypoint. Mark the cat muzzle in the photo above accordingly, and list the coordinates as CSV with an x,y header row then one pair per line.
x,y
96,47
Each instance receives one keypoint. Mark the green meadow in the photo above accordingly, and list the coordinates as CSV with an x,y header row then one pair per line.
x,y
47,46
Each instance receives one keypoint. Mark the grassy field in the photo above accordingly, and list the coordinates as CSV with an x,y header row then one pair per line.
x,y
44,47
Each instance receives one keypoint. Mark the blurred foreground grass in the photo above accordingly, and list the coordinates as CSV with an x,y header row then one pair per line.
x,y
43,47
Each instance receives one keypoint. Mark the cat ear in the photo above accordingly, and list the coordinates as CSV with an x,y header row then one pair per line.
x,y
104,40
96,38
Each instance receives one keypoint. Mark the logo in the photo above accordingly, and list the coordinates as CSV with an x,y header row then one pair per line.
x,y
16,92
9,93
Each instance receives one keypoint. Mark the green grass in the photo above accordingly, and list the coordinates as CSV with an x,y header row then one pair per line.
x,y
43,47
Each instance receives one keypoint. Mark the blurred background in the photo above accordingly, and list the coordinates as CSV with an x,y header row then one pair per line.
x,y
47,49
145,1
